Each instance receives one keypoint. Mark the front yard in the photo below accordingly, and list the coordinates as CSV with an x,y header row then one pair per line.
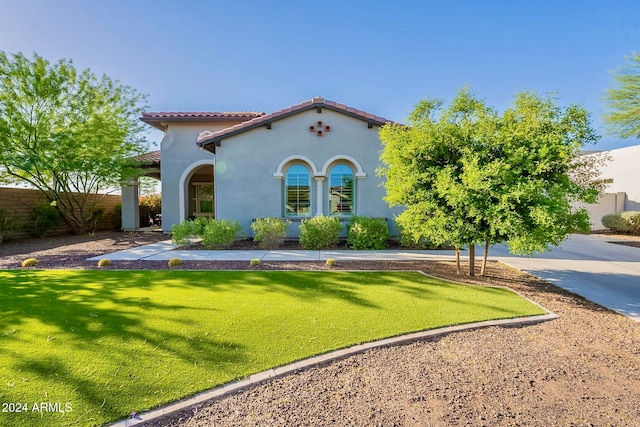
x,y
103,344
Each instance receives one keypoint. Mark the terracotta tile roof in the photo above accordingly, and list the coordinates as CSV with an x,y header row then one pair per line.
x,y
207,138
152,157
156,119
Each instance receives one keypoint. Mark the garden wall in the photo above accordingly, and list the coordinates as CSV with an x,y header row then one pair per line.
x,y
21,202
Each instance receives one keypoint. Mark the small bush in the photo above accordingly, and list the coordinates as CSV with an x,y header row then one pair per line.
x,y
269,232
174,262
220,233
330,262
104,263
254,262
46,218
30,262
408,241
320,232
199,225
9,224
181,233
367,233
623,222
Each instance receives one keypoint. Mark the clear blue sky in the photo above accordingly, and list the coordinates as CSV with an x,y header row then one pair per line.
x,y
378,56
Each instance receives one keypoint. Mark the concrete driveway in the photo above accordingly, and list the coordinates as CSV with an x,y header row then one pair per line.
x,y
605,273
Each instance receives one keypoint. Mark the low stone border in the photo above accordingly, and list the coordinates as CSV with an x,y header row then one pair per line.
x,y
270,374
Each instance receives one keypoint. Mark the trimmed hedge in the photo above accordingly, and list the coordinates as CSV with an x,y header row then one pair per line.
x,y
320,232
367,233
269,232
215,233
623,222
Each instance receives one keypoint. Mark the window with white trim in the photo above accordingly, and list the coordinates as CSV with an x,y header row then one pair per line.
x,y
341,190
297,191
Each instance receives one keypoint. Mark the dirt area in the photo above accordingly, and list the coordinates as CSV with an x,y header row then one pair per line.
x,y
582,369
618,239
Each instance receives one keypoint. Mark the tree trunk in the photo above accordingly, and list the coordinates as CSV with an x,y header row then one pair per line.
x,y
472,259
458,270
484,259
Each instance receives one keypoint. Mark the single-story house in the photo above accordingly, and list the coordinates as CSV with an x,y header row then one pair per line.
x,y
318,157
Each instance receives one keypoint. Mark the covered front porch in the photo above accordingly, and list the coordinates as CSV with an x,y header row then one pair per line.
x,y
189,197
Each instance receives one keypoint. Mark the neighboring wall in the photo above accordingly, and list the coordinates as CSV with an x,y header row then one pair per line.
x,y
21,201
623,169
608,203
622,174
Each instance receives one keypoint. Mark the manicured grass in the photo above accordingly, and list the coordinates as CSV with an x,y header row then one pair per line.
x,y
108,343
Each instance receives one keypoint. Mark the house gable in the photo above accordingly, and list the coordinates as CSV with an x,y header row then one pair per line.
x,y
209,140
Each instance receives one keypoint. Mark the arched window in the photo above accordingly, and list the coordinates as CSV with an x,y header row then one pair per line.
x,y
341,190
297,191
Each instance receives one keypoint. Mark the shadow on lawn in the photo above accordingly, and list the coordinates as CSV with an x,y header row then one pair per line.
x,y
72,309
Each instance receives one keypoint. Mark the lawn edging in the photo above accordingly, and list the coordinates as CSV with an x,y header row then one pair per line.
x,y
319,360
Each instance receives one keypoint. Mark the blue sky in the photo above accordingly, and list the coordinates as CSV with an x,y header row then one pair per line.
x,y
378,56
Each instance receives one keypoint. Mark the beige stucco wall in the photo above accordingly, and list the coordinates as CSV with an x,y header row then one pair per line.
x,y
623,167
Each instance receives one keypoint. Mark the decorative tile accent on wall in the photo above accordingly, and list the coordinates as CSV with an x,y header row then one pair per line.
x,y
319,128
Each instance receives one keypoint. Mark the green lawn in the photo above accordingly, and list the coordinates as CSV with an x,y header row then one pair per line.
x,y
106,343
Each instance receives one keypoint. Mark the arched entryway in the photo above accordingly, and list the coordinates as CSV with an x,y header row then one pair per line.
x,y
200,190
197,191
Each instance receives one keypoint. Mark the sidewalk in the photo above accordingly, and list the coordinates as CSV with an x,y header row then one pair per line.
x,y
165,250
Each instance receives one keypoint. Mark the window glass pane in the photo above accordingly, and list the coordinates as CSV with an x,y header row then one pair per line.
x,y
205,191
341,191
206,206
297,191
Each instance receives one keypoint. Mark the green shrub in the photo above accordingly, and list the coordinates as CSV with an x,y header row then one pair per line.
x,y
330,262
320,232
182,232
46,218
367,233
199,225
104,263
254,262
9,224
174,262
29,262
220,233
269,232
408,241
623,222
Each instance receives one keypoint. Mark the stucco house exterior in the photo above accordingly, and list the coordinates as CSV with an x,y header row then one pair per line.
x,y
621,176
318,157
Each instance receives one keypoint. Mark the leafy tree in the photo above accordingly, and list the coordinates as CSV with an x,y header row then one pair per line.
x,y
467,175
624,100
68,133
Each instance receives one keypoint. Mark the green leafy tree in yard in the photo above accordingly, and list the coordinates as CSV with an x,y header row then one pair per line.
x,y
624,100
66,132
467,175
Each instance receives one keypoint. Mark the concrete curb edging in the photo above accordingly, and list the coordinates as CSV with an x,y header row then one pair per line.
x,y
270,374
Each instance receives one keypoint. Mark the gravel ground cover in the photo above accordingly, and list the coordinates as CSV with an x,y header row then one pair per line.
x,y
582,369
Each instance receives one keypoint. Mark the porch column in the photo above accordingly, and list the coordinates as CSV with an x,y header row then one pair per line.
x,y
130,207
319,193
